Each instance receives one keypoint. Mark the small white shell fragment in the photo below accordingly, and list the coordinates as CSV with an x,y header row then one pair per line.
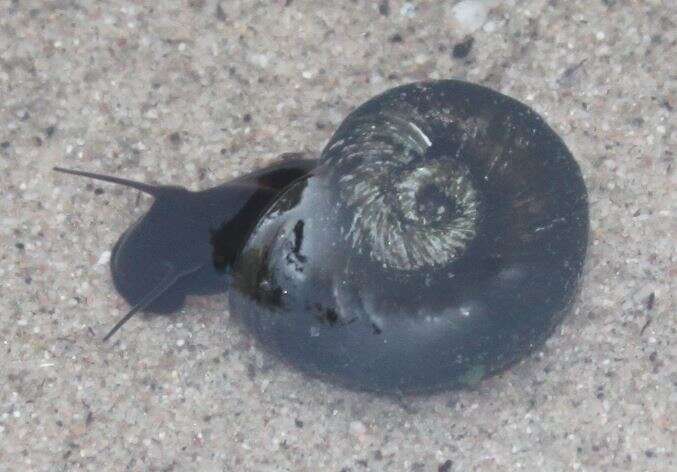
x,y
104,258
470,15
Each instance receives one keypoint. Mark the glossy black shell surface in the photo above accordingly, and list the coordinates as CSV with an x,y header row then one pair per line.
x,y
440,239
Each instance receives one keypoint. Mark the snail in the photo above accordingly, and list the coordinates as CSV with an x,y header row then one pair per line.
x,y
438,239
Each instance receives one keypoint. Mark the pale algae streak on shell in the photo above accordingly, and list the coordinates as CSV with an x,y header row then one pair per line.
x,y
409,210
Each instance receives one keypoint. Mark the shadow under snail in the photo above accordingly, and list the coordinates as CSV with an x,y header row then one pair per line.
x,y
438,239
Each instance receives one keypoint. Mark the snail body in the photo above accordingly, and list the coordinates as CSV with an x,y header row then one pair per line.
x,y
439,239
186,242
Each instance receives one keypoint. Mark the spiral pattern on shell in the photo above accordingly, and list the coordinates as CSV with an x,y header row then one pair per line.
x,y
410,208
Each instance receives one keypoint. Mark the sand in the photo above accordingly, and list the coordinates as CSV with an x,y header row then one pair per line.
x,y
196,92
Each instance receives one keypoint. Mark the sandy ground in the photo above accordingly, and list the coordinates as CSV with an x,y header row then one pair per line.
x,y
195,92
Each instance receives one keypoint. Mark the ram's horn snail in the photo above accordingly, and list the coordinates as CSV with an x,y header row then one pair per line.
x,y
440,239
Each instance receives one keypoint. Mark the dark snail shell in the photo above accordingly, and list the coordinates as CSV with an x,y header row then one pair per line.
x,y
440,239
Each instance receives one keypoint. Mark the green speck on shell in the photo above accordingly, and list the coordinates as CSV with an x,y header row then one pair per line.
x,y
473,376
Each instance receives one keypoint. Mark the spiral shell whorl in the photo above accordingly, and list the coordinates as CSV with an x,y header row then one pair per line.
x,y
408,208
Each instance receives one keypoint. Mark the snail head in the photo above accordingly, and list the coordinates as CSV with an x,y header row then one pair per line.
x,y
187,241
168,253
